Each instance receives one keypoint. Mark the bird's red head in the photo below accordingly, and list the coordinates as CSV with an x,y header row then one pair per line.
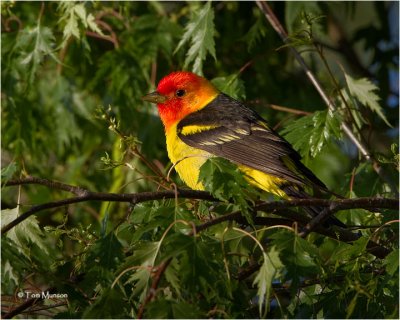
x,y
179,94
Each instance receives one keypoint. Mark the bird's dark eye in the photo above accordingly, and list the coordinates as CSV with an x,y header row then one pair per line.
x,y
180,93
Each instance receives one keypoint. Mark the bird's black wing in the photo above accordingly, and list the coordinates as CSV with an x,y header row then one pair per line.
x,y
228,129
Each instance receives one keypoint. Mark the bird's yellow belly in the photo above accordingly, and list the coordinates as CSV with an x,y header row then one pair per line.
x,y
187,162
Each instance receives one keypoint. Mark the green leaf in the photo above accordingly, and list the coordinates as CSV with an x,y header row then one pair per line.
x,y
227,183
144,256
231,85
24,233
13,265
199,272
294,14
200,33
107,252
257,31
167,309
34,44
363,90
392,262
72,14
326,124
269,270
7,172
311,133
172,276
299,256
109,305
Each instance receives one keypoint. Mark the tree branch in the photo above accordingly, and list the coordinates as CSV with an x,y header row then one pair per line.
x,y
277,207
281,208
79,191
133,198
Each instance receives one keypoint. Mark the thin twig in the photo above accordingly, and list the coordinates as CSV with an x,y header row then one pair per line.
x,y
289,110
318,220
8,21
41,12
153,289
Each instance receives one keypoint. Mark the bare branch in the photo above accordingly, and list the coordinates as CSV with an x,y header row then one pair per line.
x,y
48,183
289,110
133,198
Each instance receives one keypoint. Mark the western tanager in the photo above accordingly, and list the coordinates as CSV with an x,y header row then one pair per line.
x,y
201,122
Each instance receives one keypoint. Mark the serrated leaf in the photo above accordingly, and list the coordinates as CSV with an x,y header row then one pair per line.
x,y
80,11
299,256
167,309
72,14
146,253
231,85
198,270
309,134
269,270
35,44
7,172
24,233
13,265
226,182
143,257
172,276
107,252
200,33
326,124
364,91
109,305
71,28
294,12
255,33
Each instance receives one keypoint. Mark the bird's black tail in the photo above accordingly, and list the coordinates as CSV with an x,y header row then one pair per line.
x,y
296,193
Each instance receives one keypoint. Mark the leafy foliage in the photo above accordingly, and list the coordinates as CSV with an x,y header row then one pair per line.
x,y
224,181
64,61
363,90
267,273
310,134
231,85
200,31
72,14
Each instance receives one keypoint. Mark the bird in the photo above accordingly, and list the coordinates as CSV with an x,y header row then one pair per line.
x,y
201,122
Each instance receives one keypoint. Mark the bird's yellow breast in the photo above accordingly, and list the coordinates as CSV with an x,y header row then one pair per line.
x,y
188,160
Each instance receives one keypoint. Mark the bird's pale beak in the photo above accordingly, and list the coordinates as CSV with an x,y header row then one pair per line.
x,y
154,97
